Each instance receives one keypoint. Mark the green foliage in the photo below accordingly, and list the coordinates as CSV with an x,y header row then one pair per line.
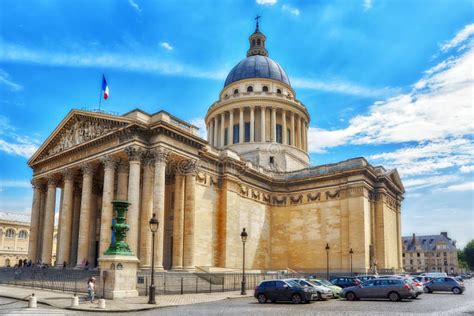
x,y
468,255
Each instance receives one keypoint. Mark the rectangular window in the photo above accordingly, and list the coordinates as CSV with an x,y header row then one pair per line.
x,y
236,134
279,135
247,132
226,136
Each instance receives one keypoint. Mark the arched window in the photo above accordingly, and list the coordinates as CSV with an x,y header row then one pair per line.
x,y
23,234
258,41
10,233
265,89
7,262
253,42
236,91
278,91
249,89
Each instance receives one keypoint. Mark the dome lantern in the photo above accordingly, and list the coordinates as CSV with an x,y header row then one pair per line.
x,y
257,42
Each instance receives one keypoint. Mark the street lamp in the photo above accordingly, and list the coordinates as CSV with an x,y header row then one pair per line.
x,y
327,261
351,252
243,236
154,228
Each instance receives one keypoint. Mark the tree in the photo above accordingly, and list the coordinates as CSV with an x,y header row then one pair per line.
x,y
468,255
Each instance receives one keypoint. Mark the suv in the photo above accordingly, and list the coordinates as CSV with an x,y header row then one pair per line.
x,y
345,281
279,290
394,289
446,284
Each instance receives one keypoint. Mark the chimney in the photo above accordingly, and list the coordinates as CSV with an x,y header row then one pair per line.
x,y
445,234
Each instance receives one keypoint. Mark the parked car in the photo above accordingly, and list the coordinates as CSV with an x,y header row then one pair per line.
x,y
417,286
324,293
345,281
366,277
445,284
280,290
466,275
434,274
394,289
336,290
422,279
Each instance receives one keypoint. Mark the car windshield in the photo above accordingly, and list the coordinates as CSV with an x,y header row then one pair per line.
x,y
326,282
293,283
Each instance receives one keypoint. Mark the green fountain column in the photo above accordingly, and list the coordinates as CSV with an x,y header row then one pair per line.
x,y
118,264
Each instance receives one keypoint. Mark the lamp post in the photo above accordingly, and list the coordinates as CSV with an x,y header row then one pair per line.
x,y
243,236
154,228
327,261
350,253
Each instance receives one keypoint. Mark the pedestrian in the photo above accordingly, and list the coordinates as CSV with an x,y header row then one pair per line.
x,y
90,289
64,264
87,265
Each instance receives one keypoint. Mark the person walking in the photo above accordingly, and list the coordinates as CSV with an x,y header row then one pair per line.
x,y
90,289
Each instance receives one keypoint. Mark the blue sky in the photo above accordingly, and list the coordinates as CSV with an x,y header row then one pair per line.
x,y
388,80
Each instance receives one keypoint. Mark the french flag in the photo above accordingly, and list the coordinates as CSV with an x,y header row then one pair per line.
x,y
105,88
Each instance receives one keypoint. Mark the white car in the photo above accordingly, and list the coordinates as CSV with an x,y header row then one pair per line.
x,y
324,292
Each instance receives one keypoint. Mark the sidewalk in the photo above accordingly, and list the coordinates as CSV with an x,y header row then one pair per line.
x,y
63,300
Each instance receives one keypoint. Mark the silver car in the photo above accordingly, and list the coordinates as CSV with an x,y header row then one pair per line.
x,y
323,292
445,284
394,289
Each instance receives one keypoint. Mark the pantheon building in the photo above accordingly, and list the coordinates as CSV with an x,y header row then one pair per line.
x,y
253,171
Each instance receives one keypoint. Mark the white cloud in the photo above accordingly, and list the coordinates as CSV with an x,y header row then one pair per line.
x,y
11,52
134,5
342,87
467,169
467,186
266,2
14,184
290,9
12,143
166,46
5,79
424,182
199,122
367,4
438,107
460,37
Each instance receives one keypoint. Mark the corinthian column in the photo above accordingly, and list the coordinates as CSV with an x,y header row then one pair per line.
x,y
231,129
110,164
146,212
292,133
252,124
262,124
284,133
273,134
241,126
178,221
35,216
222,144
134,155
298,135
122,180
214,142
85,214
48,228
161,156
189,210
65,217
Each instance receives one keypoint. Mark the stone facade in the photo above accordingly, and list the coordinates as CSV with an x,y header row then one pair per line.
x,y
14,239
204,192
432,253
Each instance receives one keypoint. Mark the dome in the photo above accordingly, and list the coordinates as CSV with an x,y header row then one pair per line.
x,y
257,66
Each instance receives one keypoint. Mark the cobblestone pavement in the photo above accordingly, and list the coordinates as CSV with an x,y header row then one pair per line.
x,y
427,304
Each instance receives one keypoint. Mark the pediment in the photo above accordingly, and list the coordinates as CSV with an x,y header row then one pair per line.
x,y
77,128
395,178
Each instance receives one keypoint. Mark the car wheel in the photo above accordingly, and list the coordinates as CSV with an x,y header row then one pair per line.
x,y
320,298
457,290
427,290
296,299
262,298
394,296
350,296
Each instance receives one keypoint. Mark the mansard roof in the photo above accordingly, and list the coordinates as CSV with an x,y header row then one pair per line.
x,y
427,242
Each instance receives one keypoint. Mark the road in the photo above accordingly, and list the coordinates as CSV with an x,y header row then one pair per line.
x,y
427,304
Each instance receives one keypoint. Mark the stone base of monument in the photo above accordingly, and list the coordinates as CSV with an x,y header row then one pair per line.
x,y
120,273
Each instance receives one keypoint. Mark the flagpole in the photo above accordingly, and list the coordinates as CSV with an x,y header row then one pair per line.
x,y
100,92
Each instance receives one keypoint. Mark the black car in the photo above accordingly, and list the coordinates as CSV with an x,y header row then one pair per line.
x,y
279,290
345,281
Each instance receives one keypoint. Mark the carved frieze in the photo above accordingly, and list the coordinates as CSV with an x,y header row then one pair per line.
x,y
333,195
297,199
313,196
81,131
279,200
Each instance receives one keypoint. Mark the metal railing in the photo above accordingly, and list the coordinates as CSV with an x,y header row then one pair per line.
x,y
64,280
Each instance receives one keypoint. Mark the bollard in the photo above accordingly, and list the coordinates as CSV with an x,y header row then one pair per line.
x,y
101,303
75,301
32,303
